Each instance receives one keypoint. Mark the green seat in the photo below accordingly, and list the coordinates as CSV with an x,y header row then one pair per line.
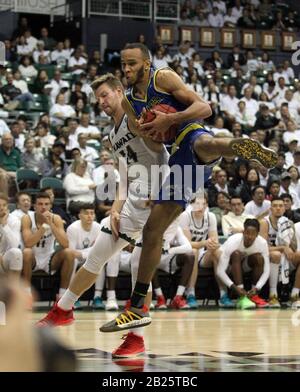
x,y
35,106
49,68
51,182
27,180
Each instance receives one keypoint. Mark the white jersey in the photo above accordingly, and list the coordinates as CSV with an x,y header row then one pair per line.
x,y
297,233
80,239
272,232
46,245
133,148
236,243
9,234
18,214
199,228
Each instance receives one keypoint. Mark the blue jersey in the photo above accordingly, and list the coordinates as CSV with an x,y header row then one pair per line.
x,y
155,97
179,189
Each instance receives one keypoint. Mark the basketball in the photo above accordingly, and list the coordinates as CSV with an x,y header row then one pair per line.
x,y
164,108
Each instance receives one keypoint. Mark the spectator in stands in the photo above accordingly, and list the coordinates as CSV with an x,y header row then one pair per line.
x,y
289,155
222,208
68,47
43,139
291,133
3,128
229,19
200,19
259,206
40,51
26,68
10,51
265,120
96,61
273,189
91,131
54,165
23,204
59,56
233,221
77,93
241,168
237,10
245,117
291,214
251,181
221,185
278,170
251,104
61,111
77,63
18,136
48,41
40,82
236,55
215,19
194,83
257,90
229,104
31,157
79,186
159,59
88,153
10,158
246,20
266,63
281,74
279,22
11,94
22,47
57,84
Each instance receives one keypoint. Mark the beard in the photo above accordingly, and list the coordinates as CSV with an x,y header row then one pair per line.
x,y
139,77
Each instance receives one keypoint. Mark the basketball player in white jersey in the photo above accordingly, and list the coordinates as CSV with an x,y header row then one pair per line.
x,y
246,251
11,259
176,253
200,227
82,235
39,234
127,218
269,231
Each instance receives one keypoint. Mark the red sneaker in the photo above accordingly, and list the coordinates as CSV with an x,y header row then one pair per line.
x,y
161,302
132,365
259,302
57,317
132,346
178,302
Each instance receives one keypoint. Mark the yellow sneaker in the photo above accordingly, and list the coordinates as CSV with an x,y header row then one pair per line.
x,y
273,302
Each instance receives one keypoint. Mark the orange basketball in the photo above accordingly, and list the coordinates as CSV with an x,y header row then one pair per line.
x,y
164,108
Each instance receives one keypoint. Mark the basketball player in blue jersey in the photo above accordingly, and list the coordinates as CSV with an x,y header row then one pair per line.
x,y
195,146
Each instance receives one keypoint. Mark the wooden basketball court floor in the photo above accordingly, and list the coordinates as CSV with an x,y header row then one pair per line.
x,y
188,341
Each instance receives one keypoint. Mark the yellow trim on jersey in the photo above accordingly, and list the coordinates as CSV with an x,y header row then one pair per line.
x,y
125,96
154,79
182,135
146,96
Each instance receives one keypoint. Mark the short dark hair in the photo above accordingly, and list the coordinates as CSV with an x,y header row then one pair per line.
x,y
46,188
86,206
257,187
41,195
279,198
286,196
252,223
137,45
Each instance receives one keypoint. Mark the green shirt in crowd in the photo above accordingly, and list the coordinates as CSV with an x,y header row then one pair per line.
x,y
10,162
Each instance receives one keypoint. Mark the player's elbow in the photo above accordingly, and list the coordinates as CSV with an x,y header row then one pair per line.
x,y
207,111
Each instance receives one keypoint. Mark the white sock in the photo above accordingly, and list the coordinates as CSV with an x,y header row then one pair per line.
x,y
158,291
111,294
97,293
223,292
241,286
68,300
138,331
61,292
180,290
190,291
295,292
274,270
